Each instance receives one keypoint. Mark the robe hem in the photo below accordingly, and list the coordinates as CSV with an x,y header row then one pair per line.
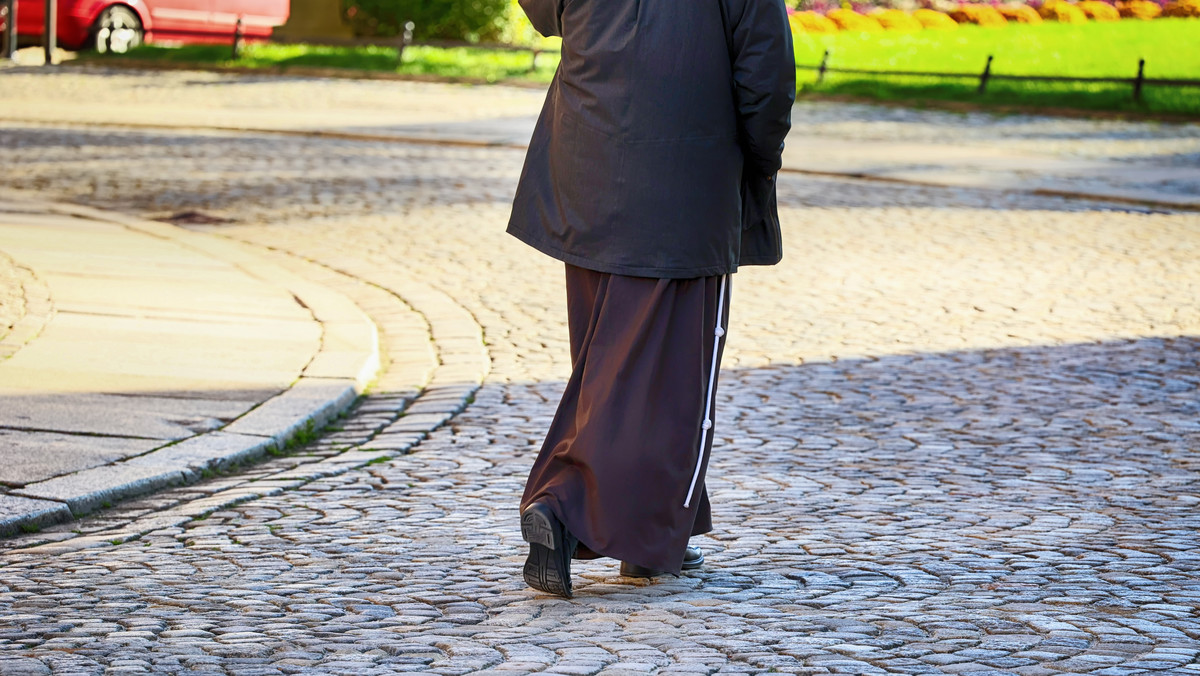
x,y
551,500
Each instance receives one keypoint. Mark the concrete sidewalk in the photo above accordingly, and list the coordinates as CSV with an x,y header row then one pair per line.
x,y
143,356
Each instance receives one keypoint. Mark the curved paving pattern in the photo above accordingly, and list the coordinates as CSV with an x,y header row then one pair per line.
x,y
12,296
957,434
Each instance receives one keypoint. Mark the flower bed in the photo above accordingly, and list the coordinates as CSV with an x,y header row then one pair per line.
x,y
1063,11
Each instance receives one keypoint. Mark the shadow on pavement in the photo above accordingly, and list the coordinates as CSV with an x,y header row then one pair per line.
x,y
1020,507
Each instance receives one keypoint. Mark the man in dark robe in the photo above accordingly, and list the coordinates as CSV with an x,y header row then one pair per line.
x,y
651,175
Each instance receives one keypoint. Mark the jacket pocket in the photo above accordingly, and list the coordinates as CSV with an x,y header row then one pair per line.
x,y
758,200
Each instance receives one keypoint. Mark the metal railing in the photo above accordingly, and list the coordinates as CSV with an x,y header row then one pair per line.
x,y
984,77
8,37
8,15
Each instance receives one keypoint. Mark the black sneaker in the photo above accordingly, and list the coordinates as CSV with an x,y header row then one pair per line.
x,y
551,547
693,558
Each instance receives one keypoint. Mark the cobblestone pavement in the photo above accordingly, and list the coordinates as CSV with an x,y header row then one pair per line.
x,y
957,433
116,95
1148,162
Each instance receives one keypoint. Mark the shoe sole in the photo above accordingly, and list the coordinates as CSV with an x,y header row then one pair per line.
x,y
546,568
634,570
536,527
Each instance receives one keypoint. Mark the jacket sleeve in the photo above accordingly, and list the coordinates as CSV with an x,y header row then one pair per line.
x,y
545,15
764,78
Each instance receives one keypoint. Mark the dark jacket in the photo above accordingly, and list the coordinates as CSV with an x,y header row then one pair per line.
x,y
657,147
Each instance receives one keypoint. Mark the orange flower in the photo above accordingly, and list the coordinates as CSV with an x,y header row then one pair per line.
x,y
982,15
933,19
1099,11
1183,9
1139,9
1021,13
1062,12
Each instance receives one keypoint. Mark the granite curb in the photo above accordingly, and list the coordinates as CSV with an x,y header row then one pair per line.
x,y
347,360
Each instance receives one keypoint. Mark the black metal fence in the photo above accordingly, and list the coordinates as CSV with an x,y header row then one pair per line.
x,y
986,76
8,37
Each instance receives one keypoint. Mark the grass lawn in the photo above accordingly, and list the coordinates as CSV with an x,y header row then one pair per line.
x,y
474,64
1171,48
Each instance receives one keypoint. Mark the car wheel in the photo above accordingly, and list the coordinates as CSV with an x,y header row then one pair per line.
x,y
117,30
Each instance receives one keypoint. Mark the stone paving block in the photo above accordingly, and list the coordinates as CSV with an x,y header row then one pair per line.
x,y
395,441
360,367
146,416
416,423
310,403
90,489
212,451
22,666
17,512
28,457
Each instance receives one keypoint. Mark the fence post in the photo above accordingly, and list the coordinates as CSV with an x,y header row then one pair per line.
x,y
238,37
405,40
533,65
50,37
821,69
987,73
10,30
1137,84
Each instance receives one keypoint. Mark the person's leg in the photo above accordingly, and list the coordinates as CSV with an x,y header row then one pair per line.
x,y
628,442
551,545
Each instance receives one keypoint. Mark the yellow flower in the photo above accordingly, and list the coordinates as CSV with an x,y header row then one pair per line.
x,y
849,20
811,22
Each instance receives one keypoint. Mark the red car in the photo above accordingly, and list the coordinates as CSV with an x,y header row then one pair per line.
x,y
107,25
